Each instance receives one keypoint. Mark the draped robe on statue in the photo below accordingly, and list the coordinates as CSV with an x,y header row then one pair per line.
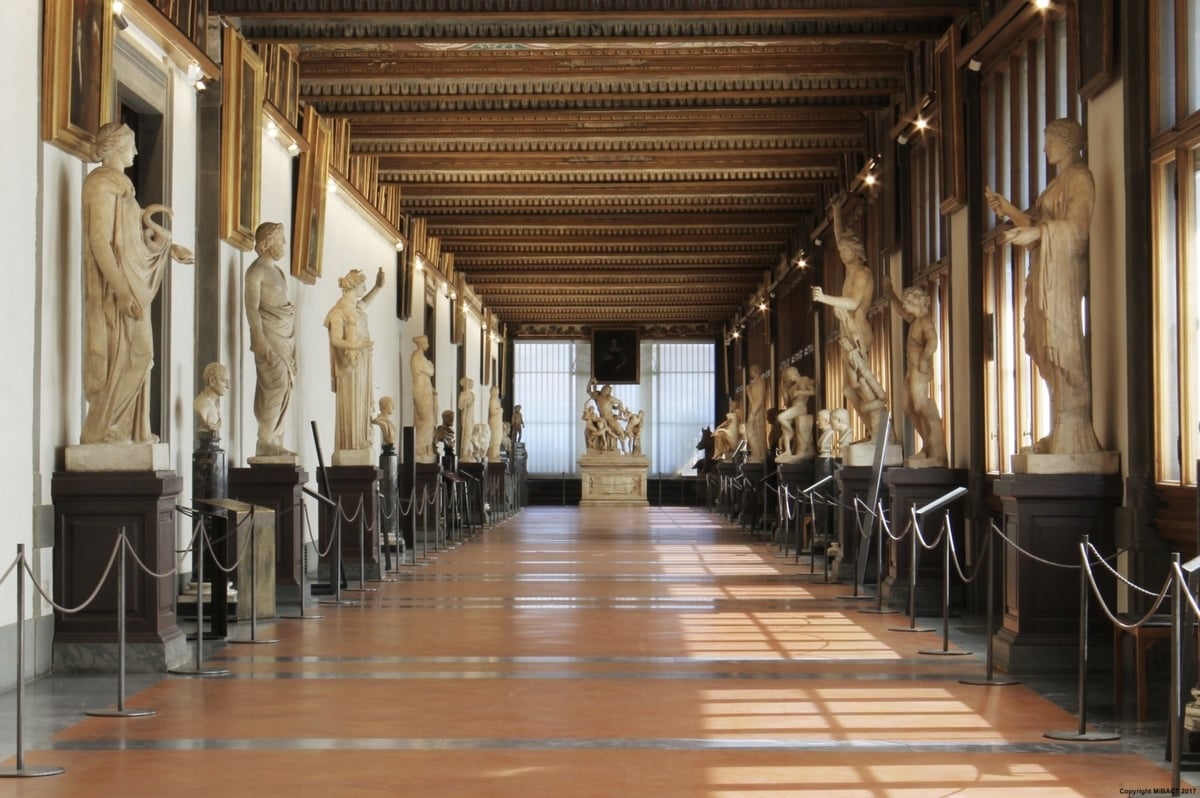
x,y
120,348
352,379
273,390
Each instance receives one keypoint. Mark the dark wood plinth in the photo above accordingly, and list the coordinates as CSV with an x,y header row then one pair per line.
x,y
475,475
916,487
1047,515
90,509
419,484
354,487
279,488
498,489
389,506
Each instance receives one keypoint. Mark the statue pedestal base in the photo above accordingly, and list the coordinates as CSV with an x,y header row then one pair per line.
x,y
279,488
210,475
613,480
356,488
1047,515
863,454
916,487
498,489
89,511
102,457
1091,463
476,474
352,457
420,523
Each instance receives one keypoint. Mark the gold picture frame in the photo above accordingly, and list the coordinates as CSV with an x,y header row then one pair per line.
x,y
77,73
308,226
243,90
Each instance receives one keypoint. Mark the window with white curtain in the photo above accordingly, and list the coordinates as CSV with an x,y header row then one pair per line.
x,y
677,392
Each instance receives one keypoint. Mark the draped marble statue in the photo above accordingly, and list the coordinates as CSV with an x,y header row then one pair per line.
x,y
350,355
1058,229
421,368
466,413
125,256
495,424
756,415
917,403
271,318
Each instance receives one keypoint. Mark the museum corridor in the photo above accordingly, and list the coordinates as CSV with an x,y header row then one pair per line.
x,y
565,652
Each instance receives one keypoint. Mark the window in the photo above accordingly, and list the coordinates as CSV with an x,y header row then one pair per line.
x,y
677,393
1175,210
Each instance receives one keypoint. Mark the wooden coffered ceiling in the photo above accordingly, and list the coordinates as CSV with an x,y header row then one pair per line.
x,y
592,162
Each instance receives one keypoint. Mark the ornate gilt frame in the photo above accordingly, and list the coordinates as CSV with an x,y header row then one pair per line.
x,y
77,85
243,90
308,227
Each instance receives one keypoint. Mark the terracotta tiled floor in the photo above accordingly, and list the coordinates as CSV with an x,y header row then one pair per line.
x,y
572,652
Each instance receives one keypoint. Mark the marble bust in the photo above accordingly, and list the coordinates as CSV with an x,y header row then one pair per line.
x,y
386,421
207,403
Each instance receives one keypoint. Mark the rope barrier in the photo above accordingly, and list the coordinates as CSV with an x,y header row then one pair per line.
x,y
112,558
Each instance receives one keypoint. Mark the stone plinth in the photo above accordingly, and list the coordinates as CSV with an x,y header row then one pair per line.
x,y
611,479
916,487
280,488
90,510
103,457
356,489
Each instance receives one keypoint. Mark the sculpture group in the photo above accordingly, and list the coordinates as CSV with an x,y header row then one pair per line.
x,y
608,425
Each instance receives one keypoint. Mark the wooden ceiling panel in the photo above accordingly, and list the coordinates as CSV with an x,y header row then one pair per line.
x,y
642,162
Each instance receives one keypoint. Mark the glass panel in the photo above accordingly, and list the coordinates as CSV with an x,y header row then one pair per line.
x,y
1193,56
1191,307
1164,52
1166,343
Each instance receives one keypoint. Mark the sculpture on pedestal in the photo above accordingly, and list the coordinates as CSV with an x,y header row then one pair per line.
x,y
423,400
795,423
825,433
862,388
727,436
495,424
466,412
517,425
611,411
385,422
1058,228
444,434
271,318
207,403
920,347
477,447
756,415
125,255
350,350
839,420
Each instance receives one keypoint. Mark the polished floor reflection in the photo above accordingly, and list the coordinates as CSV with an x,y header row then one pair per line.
x,y
570,652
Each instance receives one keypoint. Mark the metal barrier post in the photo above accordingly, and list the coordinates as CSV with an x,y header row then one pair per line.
x,y
199,670
989,621
121,711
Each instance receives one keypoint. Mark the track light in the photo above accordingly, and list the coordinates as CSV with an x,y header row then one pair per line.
x,y
974,65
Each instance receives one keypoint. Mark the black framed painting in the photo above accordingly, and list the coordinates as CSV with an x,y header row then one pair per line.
x,y
615,355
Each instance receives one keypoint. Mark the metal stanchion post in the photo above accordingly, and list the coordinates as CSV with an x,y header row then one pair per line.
x,y
879,609
22,770
945,651
120,711
362,553
199,670
912,580
1175,715
989,628
302,615
254,638
335,573
1082,734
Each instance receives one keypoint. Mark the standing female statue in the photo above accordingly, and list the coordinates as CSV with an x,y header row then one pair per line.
x,y
125,255
423,400
495,423
1059,225
756,415
350,349
466,414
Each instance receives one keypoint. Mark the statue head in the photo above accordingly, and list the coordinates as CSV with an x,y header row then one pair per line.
x,y
840,418
1069,132
448,418
823,419
386,405
111,138
422,342
216,378
355,278
268,238
916,301
467,383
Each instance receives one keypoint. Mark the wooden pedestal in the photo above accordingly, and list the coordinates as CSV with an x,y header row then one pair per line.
x,y
279,488
357,489
916,487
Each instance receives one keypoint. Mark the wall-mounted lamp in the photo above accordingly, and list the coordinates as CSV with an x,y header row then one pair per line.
x,y
293,149
914,120
399,246
118,12
974,65
195,76
272,128
419,263
1041,5
331,186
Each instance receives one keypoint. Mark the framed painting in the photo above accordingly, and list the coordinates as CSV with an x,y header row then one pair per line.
x,y
243,91
77,73
615,356
948,88
1097,48
312,178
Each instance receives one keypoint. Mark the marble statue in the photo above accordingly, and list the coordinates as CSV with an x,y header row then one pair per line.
x,y
825,436
1058,229
271,317
477,447
466,411
633,431
517,425
795,423
208,402
125,256
385,421
756,415
423,400
444,434
596,435
350,351
610,409
920,347
495,424
862,388
839,420
727,436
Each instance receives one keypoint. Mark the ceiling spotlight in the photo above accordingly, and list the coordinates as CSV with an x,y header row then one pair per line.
x,y
902,138
331,186
921,123
118,12
762,305
1041,5
869,179
293,149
